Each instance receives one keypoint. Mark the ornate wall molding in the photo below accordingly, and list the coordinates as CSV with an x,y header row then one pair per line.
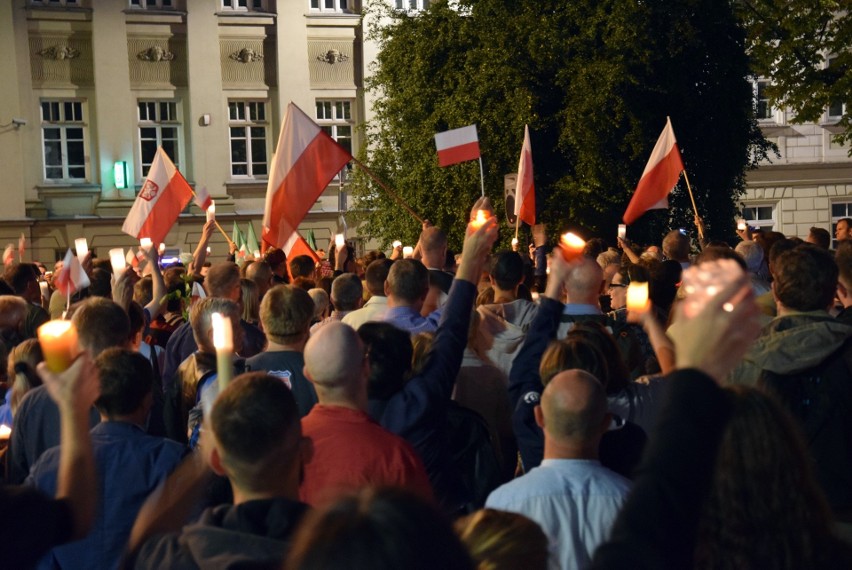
x,y
331,63
247,62
59,52
155,53
61,60
246,55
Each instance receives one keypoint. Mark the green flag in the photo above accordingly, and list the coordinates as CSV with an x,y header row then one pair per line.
x,y
311,240
252,247
237,237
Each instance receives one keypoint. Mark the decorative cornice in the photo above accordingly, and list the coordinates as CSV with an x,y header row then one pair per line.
x,y
333,56
155,53
246,55
59,52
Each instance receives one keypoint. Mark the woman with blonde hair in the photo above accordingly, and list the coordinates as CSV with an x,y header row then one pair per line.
x,y
499,540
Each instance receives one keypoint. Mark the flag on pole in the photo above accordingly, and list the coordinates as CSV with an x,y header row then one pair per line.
x,y
525,188
238,239
252,246
312,241
72,278
661,174
296,246
202,198
22,247
457,145
164,195
305,161
8,255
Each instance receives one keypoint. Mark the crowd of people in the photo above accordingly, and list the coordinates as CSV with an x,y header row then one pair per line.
x,y
491,409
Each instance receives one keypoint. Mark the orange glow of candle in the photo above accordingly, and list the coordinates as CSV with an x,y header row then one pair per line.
x,y
146,243
480,219
572,246
407,251
223,341
637,297
58,340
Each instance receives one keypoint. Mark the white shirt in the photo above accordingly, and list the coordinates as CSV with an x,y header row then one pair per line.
x,y
575,501
372,309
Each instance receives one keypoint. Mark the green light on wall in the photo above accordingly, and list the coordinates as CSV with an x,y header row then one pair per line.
x,y
119,170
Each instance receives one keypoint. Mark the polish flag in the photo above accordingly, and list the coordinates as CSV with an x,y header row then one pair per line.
x,y
22,247
661,174
296,246
306,160
163,197
72,278
525,189
457,145
8,255
202,198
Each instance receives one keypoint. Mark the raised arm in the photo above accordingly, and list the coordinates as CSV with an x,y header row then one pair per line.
x,y
155,307
200,255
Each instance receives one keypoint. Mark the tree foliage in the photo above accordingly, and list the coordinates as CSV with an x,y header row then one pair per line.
x,y
594,79
791,42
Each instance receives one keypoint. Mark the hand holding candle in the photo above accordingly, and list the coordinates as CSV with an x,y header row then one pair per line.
x,y
637,298
479,220
572,246
58,340
223,341
407,252
82,247
211,211
118,261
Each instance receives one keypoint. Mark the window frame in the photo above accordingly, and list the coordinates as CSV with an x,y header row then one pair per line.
x,y
158,123
56,3
63,125
338,6
151,4
756,220
418,5
835,218
769,115
250,125
251,6
331,124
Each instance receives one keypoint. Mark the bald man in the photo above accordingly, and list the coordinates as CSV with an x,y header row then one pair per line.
x,y
350,450
582,291
570,495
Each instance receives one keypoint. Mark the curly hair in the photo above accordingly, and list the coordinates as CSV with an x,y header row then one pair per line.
x,y
765,509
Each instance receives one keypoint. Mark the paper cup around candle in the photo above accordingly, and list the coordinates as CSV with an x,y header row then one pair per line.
x,y
514,242
741,226
208,250
339,240
572,246
407,251
146,243
118,261
397,244
58,340
479,220
82,247
622,231
637,297
223,341
162,249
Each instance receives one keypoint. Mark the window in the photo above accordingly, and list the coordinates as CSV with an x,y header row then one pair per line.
x,y
64,140
335,118
158,126
762,216
763,109
247,125
836,109
412,5
71,3
244,5
152,4
330,5
839,210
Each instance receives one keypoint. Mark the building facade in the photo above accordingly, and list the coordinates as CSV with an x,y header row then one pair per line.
x,y
91,88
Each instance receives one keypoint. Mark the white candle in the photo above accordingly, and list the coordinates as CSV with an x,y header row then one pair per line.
x,y
146,243
119,262
407,251
162,248
339,240
622,231
211,211
82,247
514,242
208,250
637,297
396,244
223,341
572,246
58,340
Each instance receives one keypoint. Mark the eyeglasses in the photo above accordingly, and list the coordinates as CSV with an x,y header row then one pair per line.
x,y
612,285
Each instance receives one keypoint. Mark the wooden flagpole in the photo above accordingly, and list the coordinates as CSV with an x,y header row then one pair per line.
x,y
215,221
385,187
692,198
482,177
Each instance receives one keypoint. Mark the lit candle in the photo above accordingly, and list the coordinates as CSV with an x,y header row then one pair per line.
x,y
396,244
162,249
223,341
208,250
407,251
146,243
211,211
572,246
58,340
339,240
741,226
637,297
5,431
622,231
514,242
118,261
82,247
480,219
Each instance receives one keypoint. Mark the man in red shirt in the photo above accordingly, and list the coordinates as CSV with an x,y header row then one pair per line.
x,y
350,450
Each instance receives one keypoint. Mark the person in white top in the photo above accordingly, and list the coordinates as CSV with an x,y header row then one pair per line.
x,y
375,277
570,495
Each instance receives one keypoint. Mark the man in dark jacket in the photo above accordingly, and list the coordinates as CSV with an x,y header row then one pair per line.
x,y
256,442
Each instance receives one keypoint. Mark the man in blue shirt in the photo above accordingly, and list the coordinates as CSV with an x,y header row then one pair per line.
x,y
406,290
130,464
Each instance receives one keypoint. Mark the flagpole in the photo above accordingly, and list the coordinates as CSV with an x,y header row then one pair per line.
x,y
482,177
692,198
387,189
517,225
215,221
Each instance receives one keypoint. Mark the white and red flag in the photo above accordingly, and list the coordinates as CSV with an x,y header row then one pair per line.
x,y
457,145
306,160
525,187
9,255
202,198
296,246
72,278
661,174
163,197
22,247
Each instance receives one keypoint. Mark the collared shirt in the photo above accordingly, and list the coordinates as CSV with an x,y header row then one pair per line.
x,y
575,501
130,465
333,317
371,311
410,320
351,451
